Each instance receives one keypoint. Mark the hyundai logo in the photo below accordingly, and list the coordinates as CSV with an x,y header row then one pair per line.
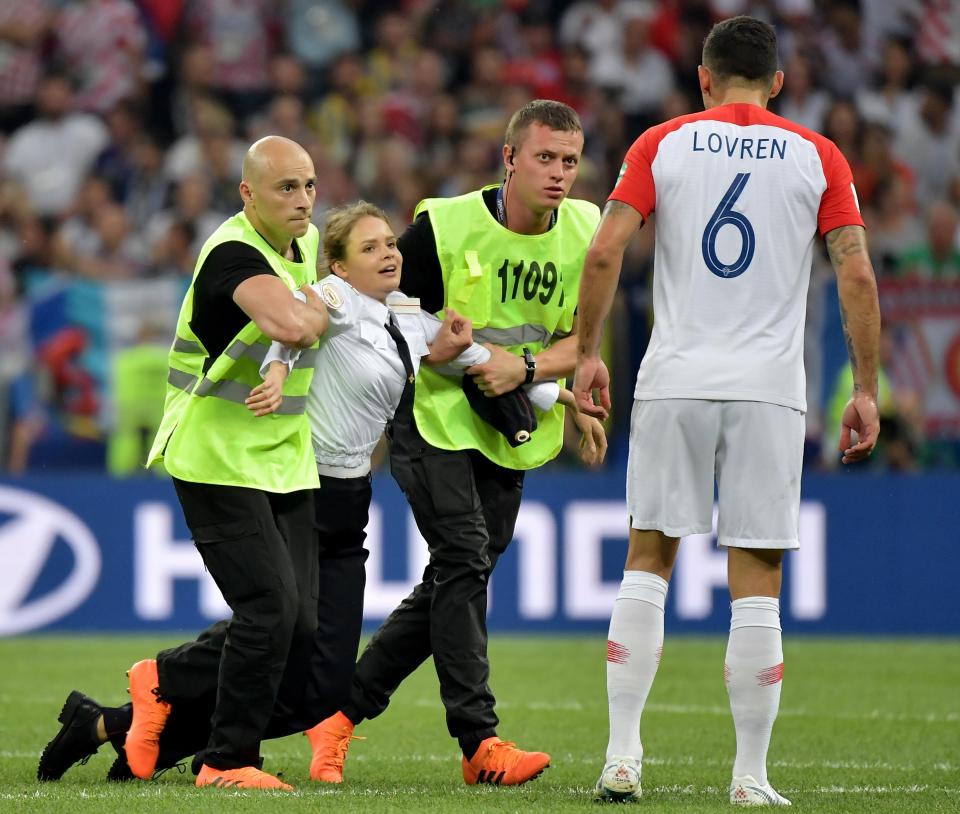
x,y
27,539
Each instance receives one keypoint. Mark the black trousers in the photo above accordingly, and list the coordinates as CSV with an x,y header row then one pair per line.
x,y
260,549
317,678
466,508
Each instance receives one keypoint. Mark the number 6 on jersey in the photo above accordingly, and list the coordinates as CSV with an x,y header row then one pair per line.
x,y
724,216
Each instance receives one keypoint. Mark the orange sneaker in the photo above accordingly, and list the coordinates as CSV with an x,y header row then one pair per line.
x,y
502,764
330,740
150,713
248,777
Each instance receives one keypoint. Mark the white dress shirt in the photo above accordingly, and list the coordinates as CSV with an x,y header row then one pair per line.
x,y
359,377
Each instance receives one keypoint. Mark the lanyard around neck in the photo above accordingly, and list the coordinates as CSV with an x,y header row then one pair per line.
x,y
502,211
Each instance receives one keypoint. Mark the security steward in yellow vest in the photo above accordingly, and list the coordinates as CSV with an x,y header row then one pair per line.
x,y
509,258
245,482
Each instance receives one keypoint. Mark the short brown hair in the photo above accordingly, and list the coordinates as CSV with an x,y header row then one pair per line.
x,y
742,47
555,115
340,223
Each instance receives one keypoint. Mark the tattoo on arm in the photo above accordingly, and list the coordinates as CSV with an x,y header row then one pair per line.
x,y
850,351
842,244
845,242
614,208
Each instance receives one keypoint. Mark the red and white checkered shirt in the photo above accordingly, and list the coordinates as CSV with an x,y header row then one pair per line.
x,y
20,67
101,42
239,34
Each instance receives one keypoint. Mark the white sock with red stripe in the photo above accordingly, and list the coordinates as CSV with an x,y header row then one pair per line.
x,y
754,673
633,654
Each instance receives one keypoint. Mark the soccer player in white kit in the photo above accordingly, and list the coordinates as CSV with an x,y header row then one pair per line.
x,y
739,195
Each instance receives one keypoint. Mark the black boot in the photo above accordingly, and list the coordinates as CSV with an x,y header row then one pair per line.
x,y
76,742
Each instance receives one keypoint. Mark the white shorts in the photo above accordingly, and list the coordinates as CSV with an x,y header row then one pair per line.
x,y
754,450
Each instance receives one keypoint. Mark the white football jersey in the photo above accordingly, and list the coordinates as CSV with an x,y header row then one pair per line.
x,y
740,194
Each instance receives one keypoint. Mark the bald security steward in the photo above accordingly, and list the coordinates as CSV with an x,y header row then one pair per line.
x,y
244,483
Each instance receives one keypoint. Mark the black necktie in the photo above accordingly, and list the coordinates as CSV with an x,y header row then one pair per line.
x,y
402,348
404,411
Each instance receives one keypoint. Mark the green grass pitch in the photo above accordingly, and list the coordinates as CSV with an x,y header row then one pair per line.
x,y
865,726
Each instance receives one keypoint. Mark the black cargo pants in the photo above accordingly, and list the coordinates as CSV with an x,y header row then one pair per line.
x,y
466,507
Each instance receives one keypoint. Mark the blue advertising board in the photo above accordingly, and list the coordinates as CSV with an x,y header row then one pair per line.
x,y
879,554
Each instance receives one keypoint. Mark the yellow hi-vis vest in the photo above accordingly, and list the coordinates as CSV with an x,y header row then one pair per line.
x,y
519,291
207,434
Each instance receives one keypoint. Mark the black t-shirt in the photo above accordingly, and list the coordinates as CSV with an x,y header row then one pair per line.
x,y
422,276
216,317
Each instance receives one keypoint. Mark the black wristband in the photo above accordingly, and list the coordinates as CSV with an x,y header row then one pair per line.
x,y
531,364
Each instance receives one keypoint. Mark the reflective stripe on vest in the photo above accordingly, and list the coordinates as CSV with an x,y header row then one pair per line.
x,y
521,335
236,391
181,345
181,380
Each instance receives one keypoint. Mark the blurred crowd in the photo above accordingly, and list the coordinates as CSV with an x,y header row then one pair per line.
x,y
124,124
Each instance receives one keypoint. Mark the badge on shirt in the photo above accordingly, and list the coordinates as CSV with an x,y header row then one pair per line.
x,y
623,171
331,297
404,305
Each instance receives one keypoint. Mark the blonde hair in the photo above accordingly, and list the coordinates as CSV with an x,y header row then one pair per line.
x,y
340,223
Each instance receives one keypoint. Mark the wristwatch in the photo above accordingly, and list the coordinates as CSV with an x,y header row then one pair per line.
x,y
531,364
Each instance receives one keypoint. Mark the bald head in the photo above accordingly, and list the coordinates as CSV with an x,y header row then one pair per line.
x,y
278,189
271,155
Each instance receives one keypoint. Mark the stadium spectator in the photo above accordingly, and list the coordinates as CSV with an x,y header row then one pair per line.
x,y
241,36
147,185
930,141
289,77
407,108
191,204
34,246
892,223
77,234
116,163
878,163
891,100
637,74
598,26
15,362
319,31
390,62
449,27
539,65
802,100
442,134
101,43
700,407
937,257
463,481
480,98
23,26
173,254
845,51
51,155
472,167
938,32
844,127
115,253
139,375
334,118
210,124
195,82
285,115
